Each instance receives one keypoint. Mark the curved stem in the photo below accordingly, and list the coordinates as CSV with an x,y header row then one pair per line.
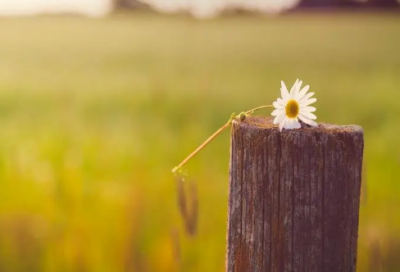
x,y
258,108
215,134
206,142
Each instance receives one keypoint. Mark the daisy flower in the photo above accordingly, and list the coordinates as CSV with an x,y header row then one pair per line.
x,y
294,105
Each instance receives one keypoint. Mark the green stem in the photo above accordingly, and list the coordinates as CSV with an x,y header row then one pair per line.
x,y
215,134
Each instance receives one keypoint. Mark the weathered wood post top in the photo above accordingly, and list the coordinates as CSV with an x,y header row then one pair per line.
x,y
293,197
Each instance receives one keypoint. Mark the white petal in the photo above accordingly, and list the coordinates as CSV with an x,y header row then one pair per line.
x,y
307,96
296,124
284,91
281,102
307,102
292,123
309,115
301,94
288,124
277,112
282,123
297,90
278,119
307,109
307,121
278,105
293,88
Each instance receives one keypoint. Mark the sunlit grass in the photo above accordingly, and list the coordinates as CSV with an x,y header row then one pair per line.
x,y
95,113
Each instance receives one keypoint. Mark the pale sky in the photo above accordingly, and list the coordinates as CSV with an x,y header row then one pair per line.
x,y
98,8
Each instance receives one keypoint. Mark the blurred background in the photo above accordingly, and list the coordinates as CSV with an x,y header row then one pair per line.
x,y
100,99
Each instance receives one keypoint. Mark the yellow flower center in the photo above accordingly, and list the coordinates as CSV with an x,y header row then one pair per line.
x,y
292,108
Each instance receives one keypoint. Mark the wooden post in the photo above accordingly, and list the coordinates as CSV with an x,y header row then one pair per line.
x,y
294,197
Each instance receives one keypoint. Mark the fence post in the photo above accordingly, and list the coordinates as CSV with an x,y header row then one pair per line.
x,y
293,197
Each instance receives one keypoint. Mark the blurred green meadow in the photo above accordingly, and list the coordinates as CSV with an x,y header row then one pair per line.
x,y
94,114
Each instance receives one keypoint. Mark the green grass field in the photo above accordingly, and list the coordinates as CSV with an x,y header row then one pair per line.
x,y
95,113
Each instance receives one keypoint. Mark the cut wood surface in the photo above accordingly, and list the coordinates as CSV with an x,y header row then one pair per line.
x,y
293,197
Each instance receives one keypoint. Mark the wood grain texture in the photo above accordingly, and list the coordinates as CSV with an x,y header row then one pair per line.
x,y
293,197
